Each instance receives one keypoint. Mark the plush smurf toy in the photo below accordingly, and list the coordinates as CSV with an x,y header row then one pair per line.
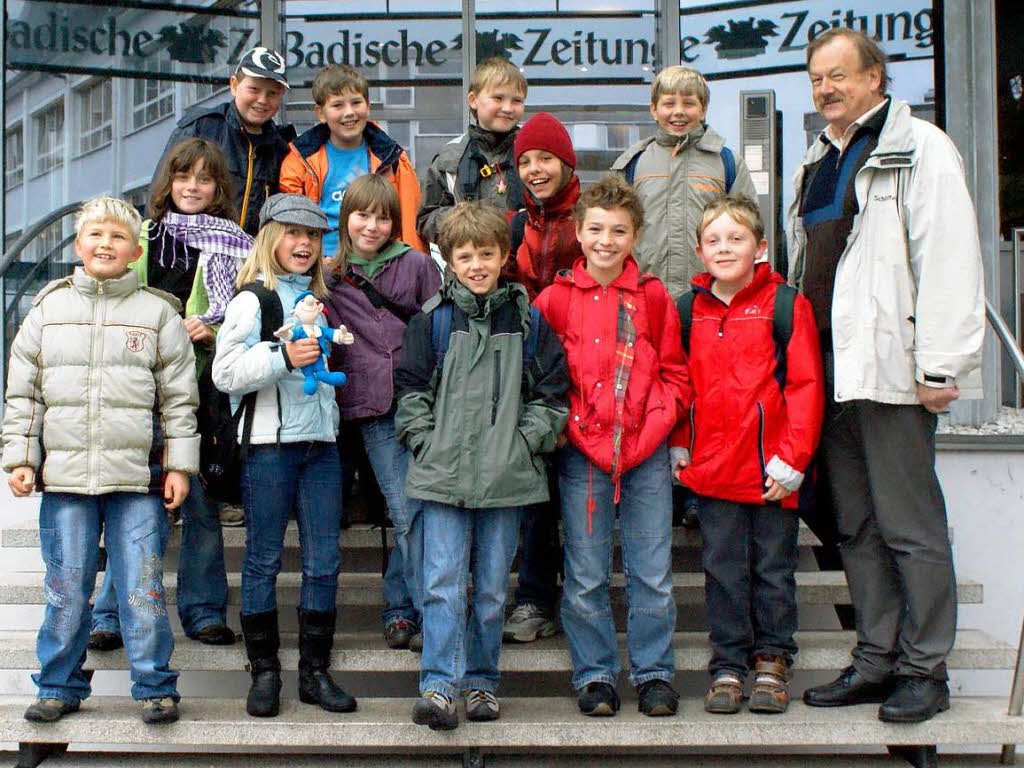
x,y
305,312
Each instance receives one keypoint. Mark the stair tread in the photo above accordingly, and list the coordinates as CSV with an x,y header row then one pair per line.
x,y
538,722
813,587
367,652
25,534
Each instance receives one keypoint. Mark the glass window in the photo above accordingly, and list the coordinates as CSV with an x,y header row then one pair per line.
x,y
152,100
619,136
49,129
96,116
14,160
139,197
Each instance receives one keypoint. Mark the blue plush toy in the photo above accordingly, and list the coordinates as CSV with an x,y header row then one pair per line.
x,y
306,310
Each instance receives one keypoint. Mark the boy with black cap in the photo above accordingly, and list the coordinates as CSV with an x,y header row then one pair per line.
x,y
546,235
244,128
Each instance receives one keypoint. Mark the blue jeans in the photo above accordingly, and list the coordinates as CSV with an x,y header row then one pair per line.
x,y
749,558
276,478
202,583
645,522
135,526
403,580
461,654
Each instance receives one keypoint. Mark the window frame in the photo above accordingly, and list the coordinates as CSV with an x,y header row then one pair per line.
x,y
84,96
10,171
50,158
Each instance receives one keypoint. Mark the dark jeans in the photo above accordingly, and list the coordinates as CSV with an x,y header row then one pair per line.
x,y
275,479
540,559
750,556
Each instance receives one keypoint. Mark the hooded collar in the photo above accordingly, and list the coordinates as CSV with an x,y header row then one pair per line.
x,y
559,204
480,307
117,286
629,280
491,140
379,144
666,139
763,275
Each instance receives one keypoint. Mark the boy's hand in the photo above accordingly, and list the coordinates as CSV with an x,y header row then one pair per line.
x,y
775,491
198,331
22,481
561,440
302,352
175,489
678,460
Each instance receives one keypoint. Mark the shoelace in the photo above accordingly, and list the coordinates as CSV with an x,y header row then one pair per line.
x,y
439,699
523,612
477,697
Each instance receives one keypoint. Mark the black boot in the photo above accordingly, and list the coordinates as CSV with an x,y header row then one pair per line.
x,y
261,645
316,638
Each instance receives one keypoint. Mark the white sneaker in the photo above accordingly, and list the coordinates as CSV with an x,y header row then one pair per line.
x,y
527,623
232,516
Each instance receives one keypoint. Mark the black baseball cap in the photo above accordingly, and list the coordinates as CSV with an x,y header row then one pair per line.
x,y
265,63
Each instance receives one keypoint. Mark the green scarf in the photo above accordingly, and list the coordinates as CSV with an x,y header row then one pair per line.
x,y
372,266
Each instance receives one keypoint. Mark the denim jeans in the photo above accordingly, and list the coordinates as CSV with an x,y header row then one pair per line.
x,y
540,559
461,654
276,478
749,557
645,524
135,526
202,582
403,579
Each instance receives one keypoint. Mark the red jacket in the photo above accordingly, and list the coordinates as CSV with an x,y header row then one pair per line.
x,y
585,317
549,240
741,426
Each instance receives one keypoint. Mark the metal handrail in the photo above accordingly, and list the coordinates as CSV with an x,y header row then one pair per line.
x,y
1016,705
36,269
15,250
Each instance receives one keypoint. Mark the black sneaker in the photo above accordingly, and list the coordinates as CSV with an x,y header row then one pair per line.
x,y
657,698
397,633
216,634
436,711
598,700
101,640
159,709
48,710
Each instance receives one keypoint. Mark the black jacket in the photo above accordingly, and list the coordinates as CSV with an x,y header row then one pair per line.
x,y
254,160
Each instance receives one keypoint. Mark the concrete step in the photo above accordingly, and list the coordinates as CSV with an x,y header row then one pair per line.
x,y
359,536
812,587
367,652
527,723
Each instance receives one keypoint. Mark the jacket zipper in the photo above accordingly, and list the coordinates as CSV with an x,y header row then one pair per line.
x,y
693,428
760,438
248,186
496,386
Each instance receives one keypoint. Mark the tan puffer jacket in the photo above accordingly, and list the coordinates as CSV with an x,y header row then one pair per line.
x,y
87,366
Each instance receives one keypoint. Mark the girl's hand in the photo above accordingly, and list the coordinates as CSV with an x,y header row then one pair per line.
x,y
302,352
175,489
22,480
774,490
198,331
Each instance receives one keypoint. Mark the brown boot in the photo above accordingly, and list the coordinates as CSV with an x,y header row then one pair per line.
x,y
770,694
725,696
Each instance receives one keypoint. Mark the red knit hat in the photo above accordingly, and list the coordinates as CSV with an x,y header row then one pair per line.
x,y
544,131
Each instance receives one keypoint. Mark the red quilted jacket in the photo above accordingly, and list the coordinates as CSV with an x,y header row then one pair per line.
x,y
741,423
585,317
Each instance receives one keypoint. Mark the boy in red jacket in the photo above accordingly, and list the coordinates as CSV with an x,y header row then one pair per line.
x,y
629,387
753,428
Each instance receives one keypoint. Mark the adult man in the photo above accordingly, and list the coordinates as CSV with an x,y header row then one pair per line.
x,y
884,243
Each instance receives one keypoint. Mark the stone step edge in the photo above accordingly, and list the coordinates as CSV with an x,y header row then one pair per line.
x,y
25,535
367,652
383,724
813,587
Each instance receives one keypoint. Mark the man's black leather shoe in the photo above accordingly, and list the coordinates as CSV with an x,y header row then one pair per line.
x,y
914,700
847,689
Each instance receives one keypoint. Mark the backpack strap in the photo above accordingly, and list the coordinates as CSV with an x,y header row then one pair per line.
x,y
271,311
376,298
782,329
655,301
530,342
729,165
684,305
441,331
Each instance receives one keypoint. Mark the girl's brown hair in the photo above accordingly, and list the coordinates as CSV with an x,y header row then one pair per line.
x,y
370,192
262,263
181,159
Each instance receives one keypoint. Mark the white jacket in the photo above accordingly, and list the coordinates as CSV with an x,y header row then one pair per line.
x,y
909,298
86,367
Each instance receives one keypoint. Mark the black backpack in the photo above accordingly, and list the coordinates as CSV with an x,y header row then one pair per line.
x,y
221,456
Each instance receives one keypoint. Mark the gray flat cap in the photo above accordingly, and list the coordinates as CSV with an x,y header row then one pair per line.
x,y
286,208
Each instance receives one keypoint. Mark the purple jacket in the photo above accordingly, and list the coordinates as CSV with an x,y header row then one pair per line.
x,y
407,281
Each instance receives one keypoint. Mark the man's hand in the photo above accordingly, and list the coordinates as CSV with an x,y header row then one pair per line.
x,y
198,331
302,352
936,399
175,489
774,490
22,480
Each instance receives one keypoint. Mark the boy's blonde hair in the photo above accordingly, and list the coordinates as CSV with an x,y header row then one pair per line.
x,y
495,72
335,80
262,263
109,209
610,192
741,209
476,223
677,79
370,192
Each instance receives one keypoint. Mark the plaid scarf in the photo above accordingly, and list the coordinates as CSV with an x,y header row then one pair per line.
x,y
222,246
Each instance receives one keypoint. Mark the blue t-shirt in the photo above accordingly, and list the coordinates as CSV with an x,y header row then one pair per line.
x,y
343,167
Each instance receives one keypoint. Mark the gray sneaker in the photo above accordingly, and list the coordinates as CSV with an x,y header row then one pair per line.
x,y
436,711
159,710
527,623
232,516
481,705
